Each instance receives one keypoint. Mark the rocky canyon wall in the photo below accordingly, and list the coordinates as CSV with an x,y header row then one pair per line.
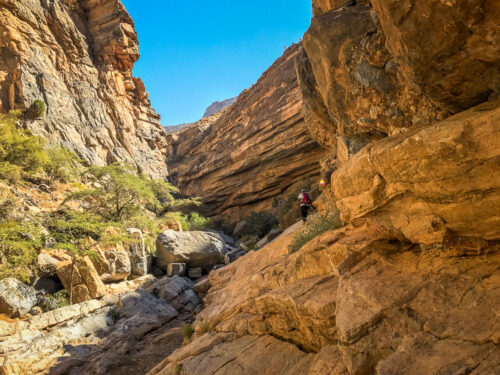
x,y
243,158
77,56
404,96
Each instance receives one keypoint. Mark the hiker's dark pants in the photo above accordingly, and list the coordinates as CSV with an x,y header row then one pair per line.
x,y
304,210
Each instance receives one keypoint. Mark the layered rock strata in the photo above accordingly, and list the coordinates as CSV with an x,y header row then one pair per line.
x,y
410,284
253,152
77,57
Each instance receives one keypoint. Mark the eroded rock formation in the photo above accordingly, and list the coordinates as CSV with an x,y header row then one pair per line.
x,y
77,56
410,284
253,152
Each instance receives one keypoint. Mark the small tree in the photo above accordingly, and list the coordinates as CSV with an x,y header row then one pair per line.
x,y
19,147
119,193
36,110
62,164
163,193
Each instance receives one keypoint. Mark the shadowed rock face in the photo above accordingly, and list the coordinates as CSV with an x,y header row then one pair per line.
x,y
351,84
450,49
253,152
77,56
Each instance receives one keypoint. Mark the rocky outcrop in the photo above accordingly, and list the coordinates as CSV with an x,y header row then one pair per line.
x,y
431,184
77,57
16,298
218,106
352,86
196,249
449,49
253,152
352,301
410,284
81,278
120,333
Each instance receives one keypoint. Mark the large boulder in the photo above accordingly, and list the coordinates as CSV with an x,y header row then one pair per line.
x,y
86,283
177,291
140,261
16,299
431,184
119,265
47,261
196,249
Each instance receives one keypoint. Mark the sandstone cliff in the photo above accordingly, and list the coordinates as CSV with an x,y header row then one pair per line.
x,y
253,152
404,96
77,56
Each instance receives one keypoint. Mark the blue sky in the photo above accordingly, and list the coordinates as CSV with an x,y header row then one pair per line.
x,y
194,52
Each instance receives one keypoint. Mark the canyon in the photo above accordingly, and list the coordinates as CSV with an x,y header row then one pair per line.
x,y
242,158
404,99
396,104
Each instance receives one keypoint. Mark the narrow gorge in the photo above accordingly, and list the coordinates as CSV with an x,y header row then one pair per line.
x,y
182,252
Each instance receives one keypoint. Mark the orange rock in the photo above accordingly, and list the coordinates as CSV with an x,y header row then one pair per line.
x,y
430,183
172,225
86,281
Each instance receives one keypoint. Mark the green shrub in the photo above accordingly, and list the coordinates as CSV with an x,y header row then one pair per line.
x,y
163,195
205,328
56,301
259,223
7,207
18,147
250,241
19,245
198,222
62,164
36,110
11,173
187,331
317,224
67,227
121,193
187,206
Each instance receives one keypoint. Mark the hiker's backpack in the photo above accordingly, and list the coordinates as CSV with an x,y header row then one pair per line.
x,y
306,199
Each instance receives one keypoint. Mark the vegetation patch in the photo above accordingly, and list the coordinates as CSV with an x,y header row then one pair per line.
x,y
317,224
36,110
56,301
19,245
187,331
259,224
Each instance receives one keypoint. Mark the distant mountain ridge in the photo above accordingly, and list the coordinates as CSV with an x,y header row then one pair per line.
x,y
217,106
211,110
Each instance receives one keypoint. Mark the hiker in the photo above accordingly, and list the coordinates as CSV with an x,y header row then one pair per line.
x,y
304,201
